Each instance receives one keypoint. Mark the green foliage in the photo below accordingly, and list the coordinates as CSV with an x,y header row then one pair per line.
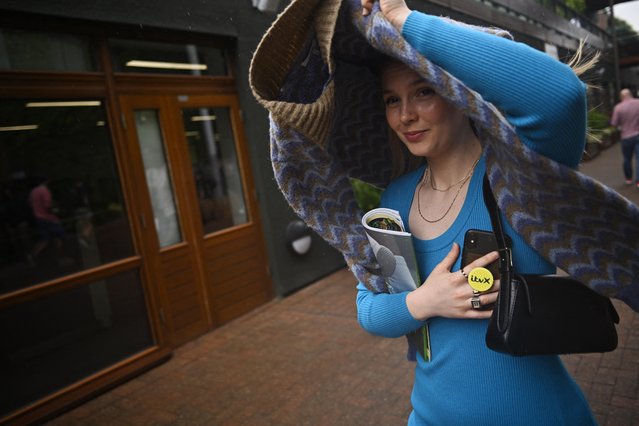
x,y
623,27
597,120
578,5
599,128
368,196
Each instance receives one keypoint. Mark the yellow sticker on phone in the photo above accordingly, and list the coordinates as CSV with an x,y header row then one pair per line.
x,y
480,279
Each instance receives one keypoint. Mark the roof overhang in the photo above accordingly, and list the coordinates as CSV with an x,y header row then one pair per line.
x,y
593,5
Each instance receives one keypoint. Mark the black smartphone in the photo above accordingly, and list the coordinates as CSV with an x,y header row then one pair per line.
x,y
476,244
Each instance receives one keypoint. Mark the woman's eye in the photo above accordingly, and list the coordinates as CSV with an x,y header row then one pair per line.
x,y
390,100
426,91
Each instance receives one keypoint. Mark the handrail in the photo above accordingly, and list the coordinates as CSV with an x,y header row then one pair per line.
x,y
570,14
542,19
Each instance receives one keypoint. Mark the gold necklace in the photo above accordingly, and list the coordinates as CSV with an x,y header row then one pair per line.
x,y
460,183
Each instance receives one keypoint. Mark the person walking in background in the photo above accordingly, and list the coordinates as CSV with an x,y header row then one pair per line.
x,y
47,222
625,117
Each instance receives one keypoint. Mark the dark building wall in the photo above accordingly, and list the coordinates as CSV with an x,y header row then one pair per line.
x,y
239,20
206,16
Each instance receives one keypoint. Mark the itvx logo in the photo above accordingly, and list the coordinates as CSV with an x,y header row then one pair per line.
x,y
480,279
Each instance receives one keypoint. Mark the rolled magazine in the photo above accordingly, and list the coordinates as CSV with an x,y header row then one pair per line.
x,y
393,248
395,254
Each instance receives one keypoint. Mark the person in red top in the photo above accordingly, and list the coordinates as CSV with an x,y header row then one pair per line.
x,y
625,117
49,226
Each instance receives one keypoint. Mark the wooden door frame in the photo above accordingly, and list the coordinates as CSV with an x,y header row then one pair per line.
x,y
230,101
175,164
169,107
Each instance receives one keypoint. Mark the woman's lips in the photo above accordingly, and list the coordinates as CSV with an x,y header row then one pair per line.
x,y
414,136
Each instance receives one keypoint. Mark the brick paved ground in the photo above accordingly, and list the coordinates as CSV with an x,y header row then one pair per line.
x,y
611,380
303,360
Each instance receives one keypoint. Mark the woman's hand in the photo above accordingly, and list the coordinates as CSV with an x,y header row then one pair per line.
x,y
448,294
395,11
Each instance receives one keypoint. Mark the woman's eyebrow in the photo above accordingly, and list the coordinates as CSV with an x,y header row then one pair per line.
x,y
419,81
416,82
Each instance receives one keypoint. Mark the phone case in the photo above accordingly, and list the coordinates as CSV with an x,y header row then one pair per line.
x,y
476,244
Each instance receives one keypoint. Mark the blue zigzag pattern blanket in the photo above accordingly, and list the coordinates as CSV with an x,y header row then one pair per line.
x,y
327,124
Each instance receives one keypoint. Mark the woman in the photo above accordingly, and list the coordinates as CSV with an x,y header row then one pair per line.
x,y
465,382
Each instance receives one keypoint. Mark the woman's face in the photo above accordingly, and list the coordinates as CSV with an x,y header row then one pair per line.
x,y
423,120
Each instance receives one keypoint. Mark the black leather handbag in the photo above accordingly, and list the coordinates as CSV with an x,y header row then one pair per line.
x,y
545,314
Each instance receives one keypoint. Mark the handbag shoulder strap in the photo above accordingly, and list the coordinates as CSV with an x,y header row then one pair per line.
x,y
500,317
505,252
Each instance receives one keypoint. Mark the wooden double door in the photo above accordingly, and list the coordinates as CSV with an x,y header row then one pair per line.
x,y
202,244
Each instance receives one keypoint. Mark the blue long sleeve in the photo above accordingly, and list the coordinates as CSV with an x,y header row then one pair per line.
x,y
539,96
384,314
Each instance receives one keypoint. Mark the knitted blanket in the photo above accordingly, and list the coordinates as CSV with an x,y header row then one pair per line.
x,y
312,72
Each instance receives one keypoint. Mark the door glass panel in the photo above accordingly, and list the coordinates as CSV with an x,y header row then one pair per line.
x,y
42,51
215,167
167,58
57,340
158,178
61,204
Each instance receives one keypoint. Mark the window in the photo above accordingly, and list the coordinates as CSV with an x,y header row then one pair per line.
x,y
158,177
61,205
165,58
59,339
41,51
215,167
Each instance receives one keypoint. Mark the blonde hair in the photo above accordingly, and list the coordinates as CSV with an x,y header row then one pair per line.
x,y
580,63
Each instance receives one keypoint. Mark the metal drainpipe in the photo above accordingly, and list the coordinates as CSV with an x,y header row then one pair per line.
x,y
615,48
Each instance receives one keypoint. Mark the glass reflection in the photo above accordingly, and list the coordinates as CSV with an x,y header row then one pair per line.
x,y
158,177
61,205
57,340
215,167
